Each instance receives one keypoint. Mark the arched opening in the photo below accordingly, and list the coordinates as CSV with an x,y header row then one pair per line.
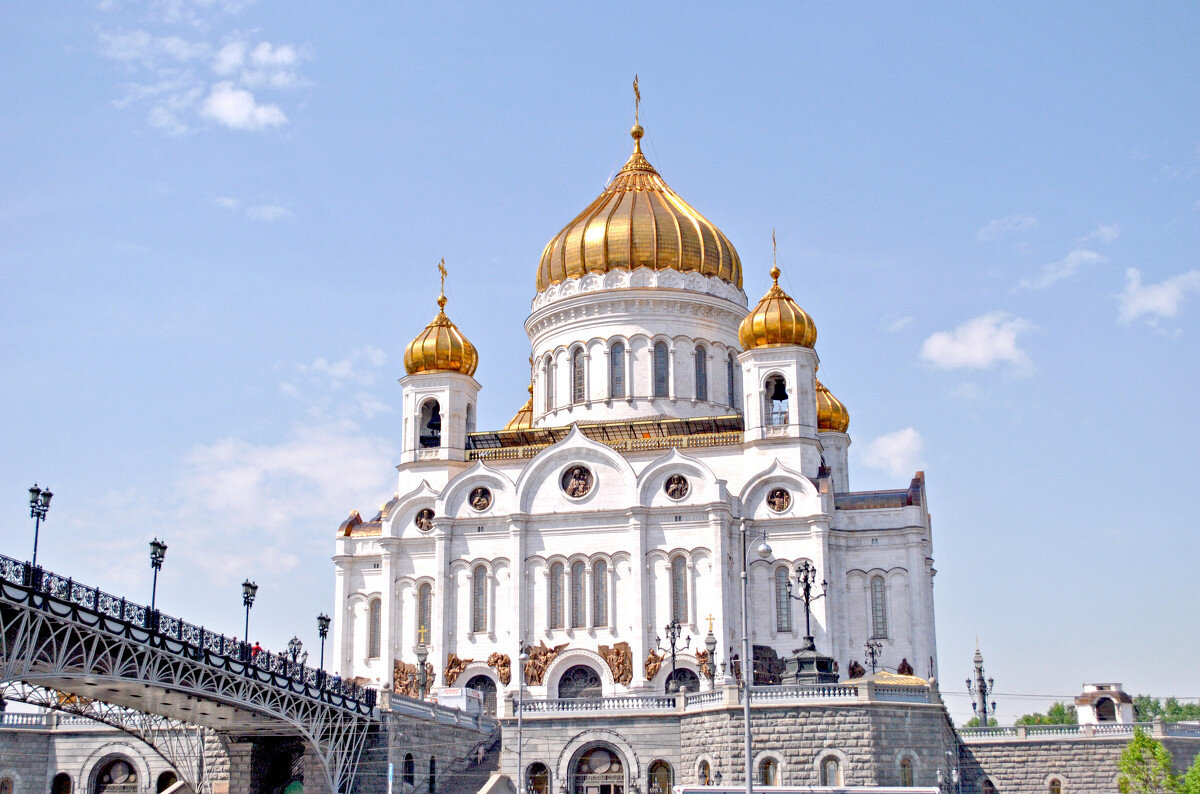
x,y
548,377
424,613
6,785
989,787
776,396
117,776
600,593
599,770
580,681
409,770
730,384
484,685
538,779
906,772
831,771
431,424
578,595
616,370
704,774
479,583
686,679
577,395
165,781
557,574
783,601
470,418
768,772
879,612
374,627
432,775
661,778
1056,786
679,599
1106,710
701,373
661,367
61,784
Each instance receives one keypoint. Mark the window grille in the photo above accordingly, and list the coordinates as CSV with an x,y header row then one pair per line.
x,y
701,373
556,595
783,601
374,627
549,385
616,370
879,623
578,596
661,370
425,612
679,605
906,773
577,376
730,385
600,593
479,599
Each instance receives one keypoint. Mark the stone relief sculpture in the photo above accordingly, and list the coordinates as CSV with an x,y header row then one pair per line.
x,y
454,668
481,499
540,657
404,678
856,670
502,665
703,661
653,664
779,500
577,481
676,486
424,520
620,661
905,668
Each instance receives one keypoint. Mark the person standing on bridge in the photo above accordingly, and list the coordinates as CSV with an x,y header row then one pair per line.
x,y
255,651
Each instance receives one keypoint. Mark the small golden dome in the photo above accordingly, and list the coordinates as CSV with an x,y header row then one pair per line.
x,y
441,347
777,320
524,418
638,221
831,413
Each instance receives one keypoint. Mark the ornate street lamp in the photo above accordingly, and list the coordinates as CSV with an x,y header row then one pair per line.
x,y
523,658
323,632
763,551
249,590
158,551
871,651
294,647
979,690
673,630
422,673
806,575
39,503
710,645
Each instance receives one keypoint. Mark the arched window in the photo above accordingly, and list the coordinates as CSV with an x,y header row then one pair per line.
x,y
701,373
661,370
374,627
117,777
831,771
661,778
484,685
61,784
549,385
431,424
1056,786
783,601
600,593
679,592
768,772
479,588
6,785
409,775
989,787
776,401
165,781
556,595
424,613
879,622
1106,710
730,385
432,774
704,774
577,376
578,595
685,681
616,370
539,779
579,682
470,419
906,773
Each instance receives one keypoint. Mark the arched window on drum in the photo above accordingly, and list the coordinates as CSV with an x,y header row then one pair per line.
x,y
616,370
577,376
701,373
879,612
661,370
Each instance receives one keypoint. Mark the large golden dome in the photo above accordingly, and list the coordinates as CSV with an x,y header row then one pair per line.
x,y
638,221
524,417
831,413
777,320
441,347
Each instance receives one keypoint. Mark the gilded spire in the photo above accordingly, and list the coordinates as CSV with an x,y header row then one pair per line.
x,y
441,347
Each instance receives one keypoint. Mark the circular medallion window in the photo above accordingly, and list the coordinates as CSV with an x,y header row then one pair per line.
x,y
481,499
676,486
577,481
424,520
779,500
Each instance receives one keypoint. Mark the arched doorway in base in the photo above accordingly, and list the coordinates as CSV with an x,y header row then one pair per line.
x,y
538,779
484,685
661,778
598,769
165,781
116,776
61,784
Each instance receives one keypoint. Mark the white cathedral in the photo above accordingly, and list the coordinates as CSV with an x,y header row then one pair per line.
x,y
668,426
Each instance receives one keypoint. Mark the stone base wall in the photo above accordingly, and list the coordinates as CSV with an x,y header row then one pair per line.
x,y
453,749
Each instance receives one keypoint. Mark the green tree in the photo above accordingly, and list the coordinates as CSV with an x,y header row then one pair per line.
x,y
1057,714
1146,708
974,722
1145,766
1191,781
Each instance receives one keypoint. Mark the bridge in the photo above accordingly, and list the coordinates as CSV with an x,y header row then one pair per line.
x,y
75,648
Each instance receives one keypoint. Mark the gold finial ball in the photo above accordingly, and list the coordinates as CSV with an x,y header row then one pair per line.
x,y
775,273
637,132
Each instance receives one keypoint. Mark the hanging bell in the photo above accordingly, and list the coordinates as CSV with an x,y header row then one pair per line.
x,y
779,392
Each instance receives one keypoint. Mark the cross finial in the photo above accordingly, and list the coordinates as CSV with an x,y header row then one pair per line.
x,y
637,100
774,259
710,622
421,634
442,291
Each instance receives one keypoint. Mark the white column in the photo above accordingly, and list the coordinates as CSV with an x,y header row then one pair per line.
x,y
340,657
387,612
589,600
612,596
691,594
518,599
440,609
671,371
628,370
637,550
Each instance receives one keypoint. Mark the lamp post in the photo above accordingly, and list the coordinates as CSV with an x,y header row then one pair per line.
x,y
806,576
871,651
294,647
39,503
523,658
673,630
979,690
249,590
322,632
422,674
763,551
158,551
710,645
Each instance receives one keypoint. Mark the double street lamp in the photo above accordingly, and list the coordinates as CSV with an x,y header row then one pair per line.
x,y
39,503
158,552
806,576
673,630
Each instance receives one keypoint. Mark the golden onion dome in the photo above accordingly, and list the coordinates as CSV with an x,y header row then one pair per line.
x,y
524,418
831,412
441,347
777,320
638,221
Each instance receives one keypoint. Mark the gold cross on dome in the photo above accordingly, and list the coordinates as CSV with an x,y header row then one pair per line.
x,y
710,622
637,100
421,634
774,250
442,270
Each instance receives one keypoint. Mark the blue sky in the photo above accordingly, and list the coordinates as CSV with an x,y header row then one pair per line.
x,y
222,220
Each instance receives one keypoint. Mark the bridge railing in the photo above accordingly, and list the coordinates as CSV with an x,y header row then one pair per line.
x,y
138,622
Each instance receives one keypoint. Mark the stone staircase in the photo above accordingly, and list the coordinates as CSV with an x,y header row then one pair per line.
x,y
468,775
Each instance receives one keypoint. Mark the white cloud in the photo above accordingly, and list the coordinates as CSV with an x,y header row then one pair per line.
x,y
229,58
268,212
898,453
967,391
237,109
1155,302
1003,227
894,324
980,343
1104,234
1057,271
227,202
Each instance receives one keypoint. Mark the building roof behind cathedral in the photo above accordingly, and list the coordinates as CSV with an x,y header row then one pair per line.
x,y
638,221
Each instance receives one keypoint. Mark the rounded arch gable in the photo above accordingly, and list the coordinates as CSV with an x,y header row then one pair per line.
x,y
571,657
703,485
585,740
805,500
111,751
538,488
454,501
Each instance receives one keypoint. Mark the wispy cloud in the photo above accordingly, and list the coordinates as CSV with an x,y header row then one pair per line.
x,y
893,324
1155,303
1186,168
1104,234
980,343
270,211
898,453
1007,226
1063,269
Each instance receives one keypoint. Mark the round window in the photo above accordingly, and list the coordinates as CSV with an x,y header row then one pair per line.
x,y
676,486
779,500
577,481
481,499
